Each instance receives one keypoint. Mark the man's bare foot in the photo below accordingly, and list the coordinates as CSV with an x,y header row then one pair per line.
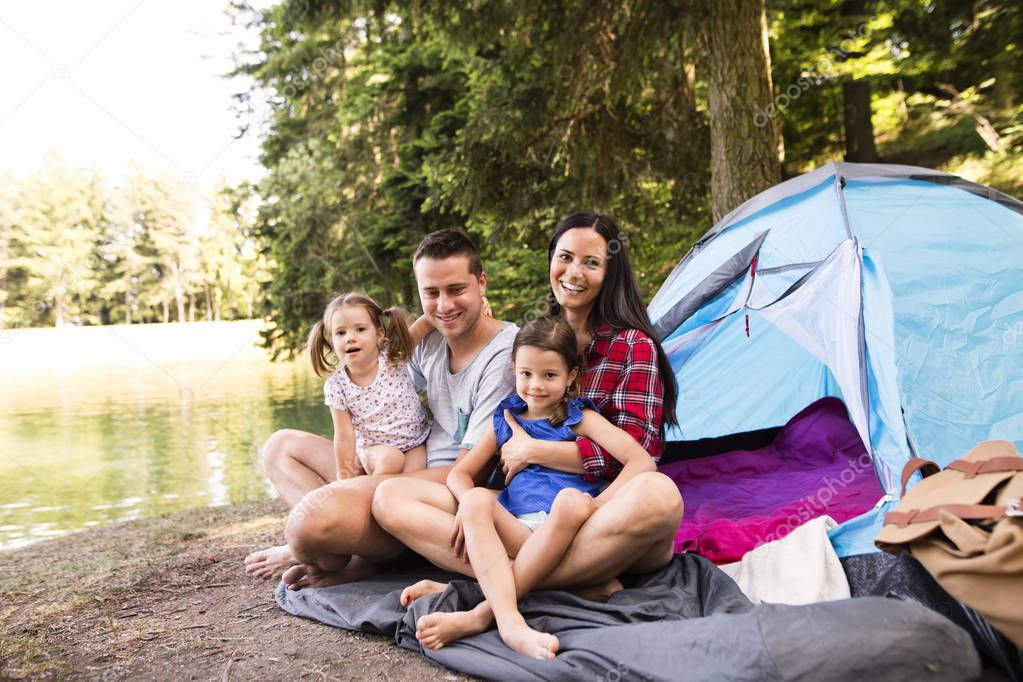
x,y
269,563
434,630
600,593
311,575
420,589
524,639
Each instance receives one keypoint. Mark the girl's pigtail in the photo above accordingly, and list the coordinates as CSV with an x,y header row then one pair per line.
x,y
320,352
560,413
396,334
572,391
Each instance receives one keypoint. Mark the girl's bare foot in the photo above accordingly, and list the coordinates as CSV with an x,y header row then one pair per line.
x,y
420,589
524,639
270,563
434,630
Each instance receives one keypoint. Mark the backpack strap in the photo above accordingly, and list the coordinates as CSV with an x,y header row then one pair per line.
x,y
986,466
971,512
925,466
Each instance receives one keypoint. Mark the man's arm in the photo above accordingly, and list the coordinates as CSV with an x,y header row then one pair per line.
x,y
491,389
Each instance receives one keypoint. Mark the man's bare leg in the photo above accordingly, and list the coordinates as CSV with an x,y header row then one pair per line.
x,y
296,463
334,523
420,515
384,459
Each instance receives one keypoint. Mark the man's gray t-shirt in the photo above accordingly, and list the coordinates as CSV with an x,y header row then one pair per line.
x,y
462,403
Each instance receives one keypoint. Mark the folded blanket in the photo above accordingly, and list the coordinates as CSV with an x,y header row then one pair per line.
x,y
687,620
801,568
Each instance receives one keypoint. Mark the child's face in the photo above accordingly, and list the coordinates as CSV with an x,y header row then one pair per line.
x,y
354,338
541,378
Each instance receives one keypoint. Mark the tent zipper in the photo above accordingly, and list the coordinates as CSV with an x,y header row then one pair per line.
x,y
752,281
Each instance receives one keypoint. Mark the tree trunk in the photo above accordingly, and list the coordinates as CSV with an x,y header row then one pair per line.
x,y
191,307
58,310
859,129
209,304
127,306
687,79
166,311
179,299
4,256
743,132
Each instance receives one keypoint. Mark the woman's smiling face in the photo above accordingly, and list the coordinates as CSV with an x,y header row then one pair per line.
x,y
578,268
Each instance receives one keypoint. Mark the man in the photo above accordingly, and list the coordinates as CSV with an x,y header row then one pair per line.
x,y
331,534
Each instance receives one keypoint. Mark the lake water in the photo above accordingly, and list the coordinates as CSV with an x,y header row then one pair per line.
x,y
99,425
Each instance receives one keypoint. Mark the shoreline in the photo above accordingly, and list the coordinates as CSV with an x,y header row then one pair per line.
x,y
167,598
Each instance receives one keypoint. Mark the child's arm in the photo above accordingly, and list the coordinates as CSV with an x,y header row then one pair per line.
x,y
620,445
468,466
344,444
419,329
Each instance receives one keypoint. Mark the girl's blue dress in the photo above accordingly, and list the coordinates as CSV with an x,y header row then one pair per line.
x,y
534,488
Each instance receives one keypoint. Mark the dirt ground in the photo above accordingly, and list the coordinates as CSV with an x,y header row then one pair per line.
x,y
167,598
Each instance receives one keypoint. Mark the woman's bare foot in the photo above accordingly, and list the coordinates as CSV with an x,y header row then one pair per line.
x,y
434,630
311,575
600,593
524,639
270,563
420,589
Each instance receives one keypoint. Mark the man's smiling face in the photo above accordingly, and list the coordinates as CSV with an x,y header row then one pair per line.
x,y
451,295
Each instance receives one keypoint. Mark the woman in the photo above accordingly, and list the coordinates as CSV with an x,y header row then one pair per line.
x,y
628,376
629,379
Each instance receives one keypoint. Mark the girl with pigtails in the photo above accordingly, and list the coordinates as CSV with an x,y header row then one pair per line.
x,y
362,351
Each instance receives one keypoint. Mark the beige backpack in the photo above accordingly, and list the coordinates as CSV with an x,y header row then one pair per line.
x,y
965,525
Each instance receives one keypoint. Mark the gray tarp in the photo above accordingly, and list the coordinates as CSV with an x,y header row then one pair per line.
x,y
688,621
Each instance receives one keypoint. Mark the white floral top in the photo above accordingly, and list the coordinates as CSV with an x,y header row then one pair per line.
x,y
387,412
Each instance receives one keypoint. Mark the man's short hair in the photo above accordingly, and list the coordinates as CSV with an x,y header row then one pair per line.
x,y
444,244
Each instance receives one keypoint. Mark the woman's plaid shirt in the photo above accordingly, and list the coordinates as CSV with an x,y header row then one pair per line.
x,y
623,381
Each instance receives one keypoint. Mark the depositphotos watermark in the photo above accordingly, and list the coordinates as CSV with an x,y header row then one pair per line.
x,y
814,504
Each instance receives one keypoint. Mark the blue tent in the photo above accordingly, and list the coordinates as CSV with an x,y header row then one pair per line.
x,y
897,289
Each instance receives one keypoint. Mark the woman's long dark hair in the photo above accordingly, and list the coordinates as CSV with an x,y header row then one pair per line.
x,y
619,303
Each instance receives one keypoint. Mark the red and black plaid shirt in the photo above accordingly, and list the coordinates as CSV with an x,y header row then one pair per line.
x,y
623,381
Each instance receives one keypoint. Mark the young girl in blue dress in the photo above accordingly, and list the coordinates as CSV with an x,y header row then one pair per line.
x,y
535,519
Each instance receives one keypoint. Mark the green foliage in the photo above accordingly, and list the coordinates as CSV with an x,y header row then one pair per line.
x,y
918,57
386,121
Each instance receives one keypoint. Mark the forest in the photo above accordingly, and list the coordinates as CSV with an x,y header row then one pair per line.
x,y
382,121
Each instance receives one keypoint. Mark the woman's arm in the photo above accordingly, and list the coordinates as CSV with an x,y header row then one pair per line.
x,y
521,450
469,466
633,379
344,444
620,445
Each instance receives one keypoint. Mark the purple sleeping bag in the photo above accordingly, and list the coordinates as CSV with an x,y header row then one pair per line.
x,y
739,500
